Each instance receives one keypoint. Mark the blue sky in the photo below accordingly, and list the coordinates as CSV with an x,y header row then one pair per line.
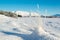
x,y
52,6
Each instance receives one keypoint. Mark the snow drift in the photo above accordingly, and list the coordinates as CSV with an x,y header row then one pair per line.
x,y
29,28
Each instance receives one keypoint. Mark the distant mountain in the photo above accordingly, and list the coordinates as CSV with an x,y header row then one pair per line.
x,y
56,15
16,14
26,13
51,16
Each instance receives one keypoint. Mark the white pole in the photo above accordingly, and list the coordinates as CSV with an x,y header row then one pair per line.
x,y
40,24
30,13
40,28
45,13
38,8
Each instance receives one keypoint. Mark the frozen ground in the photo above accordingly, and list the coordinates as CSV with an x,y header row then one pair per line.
x,y
29,28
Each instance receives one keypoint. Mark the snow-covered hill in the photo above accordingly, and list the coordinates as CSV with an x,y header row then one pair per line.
x,y
29,28
26,13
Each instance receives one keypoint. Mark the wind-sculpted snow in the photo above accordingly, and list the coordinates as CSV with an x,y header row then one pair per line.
x,y
29,28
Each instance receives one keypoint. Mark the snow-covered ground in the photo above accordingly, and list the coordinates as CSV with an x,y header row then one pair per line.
x,y
29,28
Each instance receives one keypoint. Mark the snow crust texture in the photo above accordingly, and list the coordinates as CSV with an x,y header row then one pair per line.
x,y
29,28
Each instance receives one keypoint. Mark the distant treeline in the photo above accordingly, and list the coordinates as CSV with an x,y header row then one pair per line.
x,y
50,16
9,14
14,15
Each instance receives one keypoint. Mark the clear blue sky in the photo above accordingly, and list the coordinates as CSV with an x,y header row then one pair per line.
x,y
52,6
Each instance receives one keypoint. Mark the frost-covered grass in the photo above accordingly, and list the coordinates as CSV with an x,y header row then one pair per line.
x,y
29,28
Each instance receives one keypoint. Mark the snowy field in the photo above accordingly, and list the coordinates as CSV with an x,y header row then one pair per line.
x,y
27,28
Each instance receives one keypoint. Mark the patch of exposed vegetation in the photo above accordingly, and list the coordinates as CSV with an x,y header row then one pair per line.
x,y
9,14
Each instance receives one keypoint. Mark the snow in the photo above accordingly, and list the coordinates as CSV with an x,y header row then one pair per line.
x,y
34,14
23,13
29,28
26,13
